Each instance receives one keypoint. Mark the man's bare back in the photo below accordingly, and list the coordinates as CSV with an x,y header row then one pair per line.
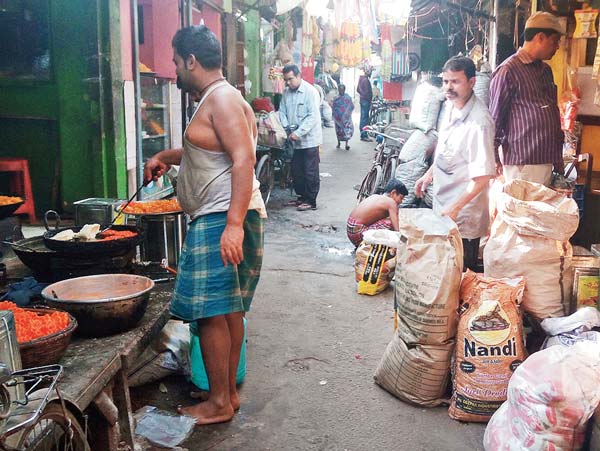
x,y
374,208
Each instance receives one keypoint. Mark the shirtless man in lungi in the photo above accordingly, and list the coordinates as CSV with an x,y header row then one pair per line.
x,y
221,258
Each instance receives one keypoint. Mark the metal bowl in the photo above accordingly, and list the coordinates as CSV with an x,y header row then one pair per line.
x,y
104,304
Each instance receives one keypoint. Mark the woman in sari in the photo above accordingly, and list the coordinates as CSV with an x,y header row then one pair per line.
x,y
342,116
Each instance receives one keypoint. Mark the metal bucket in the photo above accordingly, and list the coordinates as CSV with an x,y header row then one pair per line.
x,y
164,237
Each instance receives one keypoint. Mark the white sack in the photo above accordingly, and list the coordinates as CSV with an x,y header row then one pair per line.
x,y
551,396
529,238
425,106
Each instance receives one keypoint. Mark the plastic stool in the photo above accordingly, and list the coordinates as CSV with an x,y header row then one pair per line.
x,y
20,184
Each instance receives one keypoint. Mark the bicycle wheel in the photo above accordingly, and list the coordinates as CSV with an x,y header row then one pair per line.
x,y
265,173
370,183
54,430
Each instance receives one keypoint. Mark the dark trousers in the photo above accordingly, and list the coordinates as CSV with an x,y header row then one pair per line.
x,y
471,253
305,174
365,109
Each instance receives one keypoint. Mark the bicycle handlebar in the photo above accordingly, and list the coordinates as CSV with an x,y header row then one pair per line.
x,y
370,130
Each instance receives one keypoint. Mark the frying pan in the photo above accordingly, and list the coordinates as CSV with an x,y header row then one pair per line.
x,y
105,248
8,210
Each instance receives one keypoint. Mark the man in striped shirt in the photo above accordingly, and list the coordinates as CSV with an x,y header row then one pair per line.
x,y
523,104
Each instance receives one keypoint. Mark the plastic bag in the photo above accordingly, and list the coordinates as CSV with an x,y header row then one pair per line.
x,y
551,396
163,428
584,319
382,236
374,267
270,131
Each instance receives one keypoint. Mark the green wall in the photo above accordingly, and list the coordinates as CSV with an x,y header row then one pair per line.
x,y
253,44
68,127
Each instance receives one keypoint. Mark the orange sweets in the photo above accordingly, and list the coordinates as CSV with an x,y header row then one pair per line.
x,y
31,325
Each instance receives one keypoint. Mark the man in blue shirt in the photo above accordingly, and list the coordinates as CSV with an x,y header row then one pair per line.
x,y
299,112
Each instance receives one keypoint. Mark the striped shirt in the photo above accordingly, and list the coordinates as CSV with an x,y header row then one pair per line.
x,y
523,104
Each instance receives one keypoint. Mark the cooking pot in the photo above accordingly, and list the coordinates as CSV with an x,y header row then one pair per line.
x,y
104,247
104,304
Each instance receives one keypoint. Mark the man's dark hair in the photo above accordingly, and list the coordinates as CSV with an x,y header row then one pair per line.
x,y
290,68
460,64
530,33
395,184
200,42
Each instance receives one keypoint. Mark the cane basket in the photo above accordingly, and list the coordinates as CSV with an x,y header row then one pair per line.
x,y
49,349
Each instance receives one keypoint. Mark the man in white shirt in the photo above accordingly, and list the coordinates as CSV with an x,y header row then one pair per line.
x,y
299,111
464,158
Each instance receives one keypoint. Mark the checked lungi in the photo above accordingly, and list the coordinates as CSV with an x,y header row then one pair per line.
x,y
204,286
355,229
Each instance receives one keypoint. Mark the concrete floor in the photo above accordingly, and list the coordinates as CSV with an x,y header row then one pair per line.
x,y
314,343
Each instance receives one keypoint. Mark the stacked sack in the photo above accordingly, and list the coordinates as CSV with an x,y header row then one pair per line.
x,y
415,366
530,238
416,152
489,345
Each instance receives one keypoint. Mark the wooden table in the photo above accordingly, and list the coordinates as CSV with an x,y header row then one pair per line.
x,y
95,374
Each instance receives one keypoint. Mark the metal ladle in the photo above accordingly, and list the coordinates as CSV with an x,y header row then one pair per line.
x,y
123,208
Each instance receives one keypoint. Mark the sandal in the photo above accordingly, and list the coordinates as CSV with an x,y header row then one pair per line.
x,y
294,203
305,206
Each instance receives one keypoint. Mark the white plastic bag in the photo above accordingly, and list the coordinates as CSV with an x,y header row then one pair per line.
x,y
551,396
382,236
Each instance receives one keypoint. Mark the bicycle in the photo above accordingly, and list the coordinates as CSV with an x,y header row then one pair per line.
x,y
274,165
383,165
33,422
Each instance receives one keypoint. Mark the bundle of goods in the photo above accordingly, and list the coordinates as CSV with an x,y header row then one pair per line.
x,y
551,396
375,261
416,364
425,106
413,162
573,328
153,207
530,238
489,345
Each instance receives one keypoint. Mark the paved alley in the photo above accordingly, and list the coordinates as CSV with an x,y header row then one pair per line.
x,y
314,343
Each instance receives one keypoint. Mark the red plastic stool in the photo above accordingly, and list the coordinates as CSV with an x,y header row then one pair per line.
x,y
20,183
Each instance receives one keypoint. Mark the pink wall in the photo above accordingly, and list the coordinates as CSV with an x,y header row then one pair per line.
x,y
161,22
166,22
212,19
126,50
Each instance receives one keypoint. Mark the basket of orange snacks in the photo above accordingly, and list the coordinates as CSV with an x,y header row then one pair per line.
x,y
153,207
9,204
43,334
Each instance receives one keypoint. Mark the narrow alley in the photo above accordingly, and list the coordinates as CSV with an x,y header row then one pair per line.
x,y
314,343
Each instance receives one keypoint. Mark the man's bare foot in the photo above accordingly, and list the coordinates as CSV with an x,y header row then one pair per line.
x,y
203,396
208,412
235,401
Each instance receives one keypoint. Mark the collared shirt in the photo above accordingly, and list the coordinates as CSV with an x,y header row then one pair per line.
x,y
523,103
300,108
465,150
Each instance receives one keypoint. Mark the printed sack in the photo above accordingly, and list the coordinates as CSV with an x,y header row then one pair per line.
x,y
428,275
417,374
551,397
489,345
